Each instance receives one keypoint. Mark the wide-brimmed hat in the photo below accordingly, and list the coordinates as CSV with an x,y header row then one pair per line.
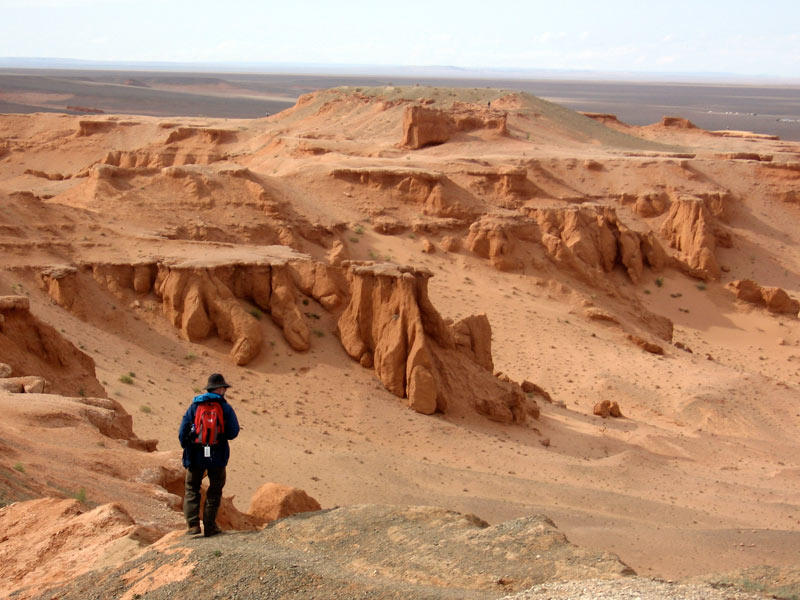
x,y
216,380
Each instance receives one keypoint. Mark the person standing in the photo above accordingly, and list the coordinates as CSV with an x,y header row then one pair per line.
x,y
205,429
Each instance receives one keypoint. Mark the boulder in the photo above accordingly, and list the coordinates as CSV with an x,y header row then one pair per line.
x,y
607,408
274,501
12,386
774,299
645,345
602,409
532,388
5,370
33,384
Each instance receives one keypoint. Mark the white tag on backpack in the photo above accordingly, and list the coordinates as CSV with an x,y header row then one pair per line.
x,y
207,451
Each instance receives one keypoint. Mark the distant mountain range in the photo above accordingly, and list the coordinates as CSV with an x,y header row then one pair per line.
x,y
434,71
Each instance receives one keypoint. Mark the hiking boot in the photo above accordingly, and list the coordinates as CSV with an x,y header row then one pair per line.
x,y
194,530
212,530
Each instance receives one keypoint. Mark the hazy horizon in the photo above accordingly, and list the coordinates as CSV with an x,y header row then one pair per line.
x,y
365,69
731,39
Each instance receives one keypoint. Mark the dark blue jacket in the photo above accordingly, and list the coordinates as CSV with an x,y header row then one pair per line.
x,y
220,452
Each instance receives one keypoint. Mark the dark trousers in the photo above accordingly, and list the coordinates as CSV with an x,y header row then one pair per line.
x,y
191,501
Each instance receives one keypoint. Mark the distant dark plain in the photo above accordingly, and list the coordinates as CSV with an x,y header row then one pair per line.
x,y
773,110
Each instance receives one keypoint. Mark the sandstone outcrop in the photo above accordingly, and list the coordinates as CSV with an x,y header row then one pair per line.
x,y
274,501
61,283
87,128
678,123
390,323
200,300
473,337
32,347
405,185
423,126
159,158
774,299
509,185
646,345
691,230
587,240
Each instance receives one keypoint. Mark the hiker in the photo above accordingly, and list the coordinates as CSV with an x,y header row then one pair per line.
x,y
204,433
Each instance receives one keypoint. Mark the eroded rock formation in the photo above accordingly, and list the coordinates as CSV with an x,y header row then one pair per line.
x,y
586,240
691,229
200,300
423,126
391,324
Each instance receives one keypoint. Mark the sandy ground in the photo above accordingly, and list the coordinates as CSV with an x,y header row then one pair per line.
x,y
702,473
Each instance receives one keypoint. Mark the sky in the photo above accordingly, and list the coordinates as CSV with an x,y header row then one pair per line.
x,y
701,36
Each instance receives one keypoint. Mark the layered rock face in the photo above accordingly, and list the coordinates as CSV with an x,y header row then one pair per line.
x,y
411,186
691,229
587,240
423,126
32,347
200,300
391,324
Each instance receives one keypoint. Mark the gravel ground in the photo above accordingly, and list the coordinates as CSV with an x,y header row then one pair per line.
x,y
631,588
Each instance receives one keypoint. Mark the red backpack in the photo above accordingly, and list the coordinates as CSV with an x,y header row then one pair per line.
x,y
209,423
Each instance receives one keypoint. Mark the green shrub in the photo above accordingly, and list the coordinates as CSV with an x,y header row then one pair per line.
x,y
659,281
80,495
126,379
19,467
